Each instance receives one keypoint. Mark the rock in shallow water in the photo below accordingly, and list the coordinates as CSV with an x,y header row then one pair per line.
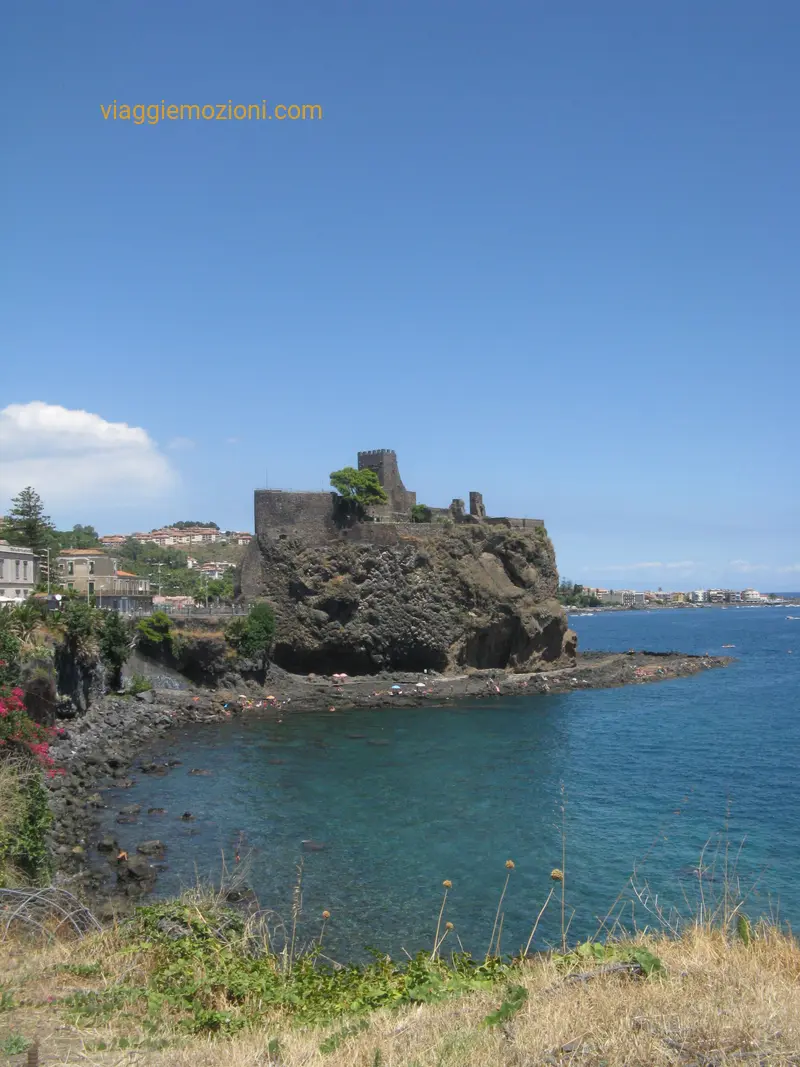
x,y
151,848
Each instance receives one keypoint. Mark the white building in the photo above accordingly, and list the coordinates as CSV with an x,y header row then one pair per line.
x,y
697,596
18,572
752,596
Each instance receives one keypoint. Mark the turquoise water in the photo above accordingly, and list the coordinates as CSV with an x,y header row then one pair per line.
x,y
402,799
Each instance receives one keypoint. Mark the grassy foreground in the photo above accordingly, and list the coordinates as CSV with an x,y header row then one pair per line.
x,y
195,982
190,983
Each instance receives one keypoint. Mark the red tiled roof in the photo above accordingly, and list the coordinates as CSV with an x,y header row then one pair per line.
x,y
127,574
81,552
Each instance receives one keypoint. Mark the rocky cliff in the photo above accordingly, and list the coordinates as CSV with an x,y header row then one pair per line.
x,y
472,596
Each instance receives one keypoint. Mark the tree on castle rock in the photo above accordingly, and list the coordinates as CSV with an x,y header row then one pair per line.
x,y
359,488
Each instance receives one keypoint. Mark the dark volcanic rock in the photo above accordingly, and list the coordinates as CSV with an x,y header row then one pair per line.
x,y
151,848
473,595
314,846
135,874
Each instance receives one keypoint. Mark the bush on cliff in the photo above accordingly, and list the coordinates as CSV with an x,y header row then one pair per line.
x,y
421,513
251,636
115,646
80,623
154,633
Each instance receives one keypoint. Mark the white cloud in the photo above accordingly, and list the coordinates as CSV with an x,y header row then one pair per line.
x,y
75,457
231,440
181,443
741,566
790,568
683,565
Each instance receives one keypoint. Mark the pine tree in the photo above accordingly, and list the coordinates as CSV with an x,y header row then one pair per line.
x,y
26,523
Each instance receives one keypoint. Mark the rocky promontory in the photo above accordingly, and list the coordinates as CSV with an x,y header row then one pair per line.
x,y
473,595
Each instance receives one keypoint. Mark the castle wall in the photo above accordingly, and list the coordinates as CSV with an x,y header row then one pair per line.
x,y
392,533
517,524
306,515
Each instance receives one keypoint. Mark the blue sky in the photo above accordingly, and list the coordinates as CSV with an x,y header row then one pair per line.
x,y
547,251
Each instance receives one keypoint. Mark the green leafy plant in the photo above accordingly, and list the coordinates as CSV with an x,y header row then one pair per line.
x,y
252,635
211,970
155,632
14,1045
744,930
138,683
115,645
515,998
10,651
421,513
594,952
358,489
330,1044
81,624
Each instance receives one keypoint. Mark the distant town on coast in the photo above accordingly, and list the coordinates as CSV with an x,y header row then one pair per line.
x,y
573,595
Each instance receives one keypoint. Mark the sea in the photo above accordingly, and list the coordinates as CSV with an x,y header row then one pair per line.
x,y
630,791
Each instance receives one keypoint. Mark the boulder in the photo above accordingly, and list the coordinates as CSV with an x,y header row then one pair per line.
x,y
151,848
135,874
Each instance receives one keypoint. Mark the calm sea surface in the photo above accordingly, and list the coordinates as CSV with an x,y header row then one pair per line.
x,y
404,799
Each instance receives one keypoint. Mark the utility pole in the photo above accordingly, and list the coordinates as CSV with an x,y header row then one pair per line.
x,y
47,550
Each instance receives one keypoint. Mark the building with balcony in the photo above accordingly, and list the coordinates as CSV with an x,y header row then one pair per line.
x,y
19,571
93,574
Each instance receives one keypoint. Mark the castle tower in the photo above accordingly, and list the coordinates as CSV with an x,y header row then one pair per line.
x,y
476,508
384,462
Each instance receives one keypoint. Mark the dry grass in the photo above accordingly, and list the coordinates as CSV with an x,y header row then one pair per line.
x,y
722,1002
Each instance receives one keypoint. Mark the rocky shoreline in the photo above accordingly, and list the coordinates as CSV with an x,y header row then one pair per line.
x,y
102,748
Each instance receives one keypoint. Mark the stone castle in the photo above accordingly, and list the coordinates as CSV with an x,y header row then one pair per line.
x,y
312,516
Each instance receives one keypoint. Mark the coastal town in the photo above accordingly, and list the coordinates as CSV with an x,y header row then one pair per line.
x,y
104,570
633,598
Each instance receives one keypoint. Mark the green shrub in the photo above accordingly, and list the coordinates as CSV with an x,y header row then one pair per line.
x,y
81,623
421,513
24,823
115,645
210,970
10,666
155,631
138,683
252,635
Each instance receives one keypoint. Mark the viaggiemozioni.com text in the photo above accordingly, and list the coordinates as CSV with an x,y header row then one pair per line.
x,y
152,114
